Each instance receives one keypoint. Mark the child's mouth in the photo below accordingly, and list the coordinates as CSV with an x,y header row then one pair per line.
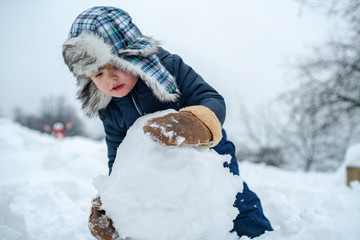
x,y
118,87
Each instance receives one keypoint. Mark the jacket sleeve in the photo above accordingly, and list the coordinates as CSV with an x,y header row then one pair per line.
x,y
113,140
193,89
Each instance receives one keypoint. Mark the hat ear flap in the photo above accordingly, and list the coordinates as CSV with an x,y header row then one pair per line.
x,y
85,54
91,97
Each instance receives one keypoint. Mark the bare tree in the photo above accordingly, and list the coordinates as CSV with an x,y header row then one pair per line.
x,y
312,134
348,9
261,144
325,103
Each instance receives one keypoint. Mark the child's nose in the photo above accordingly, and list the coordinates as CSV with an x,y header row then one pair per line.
x,y
112,77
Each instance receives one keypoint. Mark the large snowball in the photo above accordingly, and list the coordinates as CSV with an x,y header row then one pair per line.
x,y
159,192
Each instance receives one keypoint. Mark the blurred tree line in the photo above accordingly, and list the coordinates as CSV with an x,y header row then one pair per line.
x,y
52,109
323,106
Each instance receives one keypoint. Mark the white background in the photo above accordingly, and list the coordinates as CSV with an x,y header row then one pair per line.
x,y
242,48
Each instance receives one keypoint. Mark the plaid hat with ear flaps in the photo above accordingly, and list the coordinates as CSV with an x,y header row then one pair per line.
x,y
106,35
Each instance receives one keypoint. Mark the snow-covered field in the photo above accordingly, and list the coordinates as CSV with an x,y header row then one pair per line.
x,y
46,186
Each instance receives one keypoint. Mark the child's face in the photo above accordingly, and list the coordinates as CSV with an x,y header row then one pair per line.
x,y
114,82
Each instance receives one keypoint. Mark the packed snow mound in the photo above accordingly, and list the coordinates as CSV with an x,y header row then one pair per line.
x,y
158,192
352,157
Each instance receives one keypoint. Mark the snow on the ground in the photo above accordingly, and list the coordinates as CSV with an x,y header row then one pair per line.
x,y
45,184
46,190
305,205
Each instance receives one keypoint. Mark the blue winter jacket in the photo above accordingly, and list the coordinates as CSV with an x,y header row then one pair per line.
x,y
121,113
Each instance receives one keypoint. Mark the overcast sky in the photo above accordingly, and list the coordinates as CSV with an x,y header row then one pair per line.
x,y
239,47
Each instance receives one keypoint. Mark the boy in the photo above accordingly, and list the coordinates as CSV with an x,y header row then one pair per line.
x,y
122,75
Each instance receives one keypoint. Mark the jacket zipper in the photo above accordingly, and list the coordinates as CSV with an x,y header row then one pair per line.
x,y
136,104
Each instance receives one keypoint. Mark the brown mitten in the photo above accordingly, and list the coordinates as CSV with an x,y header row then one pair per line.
x,y
100,225
195,125
178,129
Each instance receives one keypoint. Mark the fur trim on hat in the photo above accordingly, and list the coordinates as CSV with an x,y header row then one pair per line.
x,y
87,53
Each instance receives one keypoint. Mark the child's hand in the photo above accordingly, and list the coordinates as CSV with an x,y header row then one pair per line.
x,y
100,224
181,128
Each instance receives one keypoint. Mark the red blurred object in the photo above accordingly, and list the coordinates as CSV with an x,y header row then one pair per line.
x,y
58,129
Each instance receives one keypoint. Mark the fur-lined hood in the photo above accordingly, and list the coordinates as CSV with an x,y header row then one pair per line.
x,y
106,35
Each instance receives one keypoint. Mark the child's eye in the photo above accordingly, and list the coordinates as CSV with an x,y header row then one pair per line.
x,y
98,74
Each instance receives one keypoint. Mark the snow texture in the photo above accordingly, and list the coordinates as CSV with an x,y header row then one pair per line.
x,y
160,192
352,157
46,191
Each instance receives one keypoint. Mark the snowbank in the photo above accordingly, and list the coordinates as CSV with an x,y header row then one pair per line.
x,y
352,157
45,184
305,205
158,192
46,190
